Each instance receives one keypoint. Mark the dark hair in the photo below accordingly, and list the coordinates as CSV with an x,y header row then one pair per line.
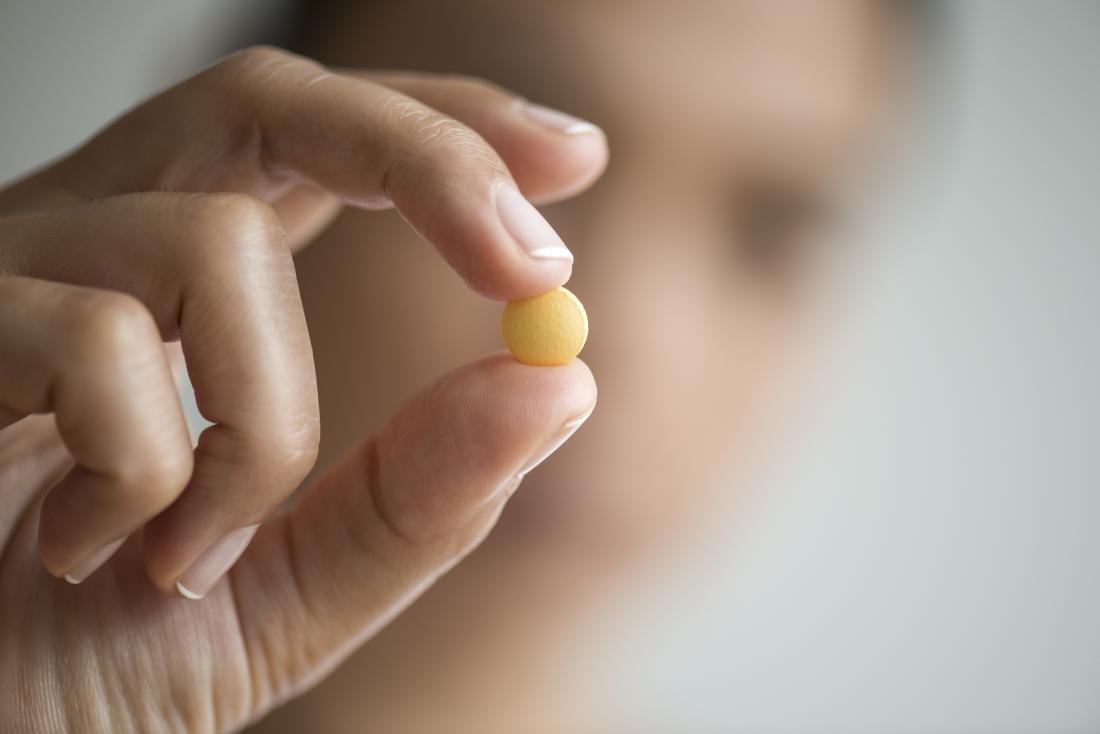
x,y
925,17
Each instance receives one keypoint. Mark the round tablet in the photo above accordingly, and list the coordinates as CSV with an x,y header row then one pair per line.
x,y
548,329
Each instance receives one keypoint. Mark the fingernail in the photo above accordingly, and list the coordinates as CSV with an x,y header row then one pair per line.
x,y
558,121
567,430
88,566
197,580
527,227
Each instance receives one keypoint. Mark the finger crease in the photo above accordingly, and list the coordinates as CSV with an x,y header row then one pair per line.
x,y
374,494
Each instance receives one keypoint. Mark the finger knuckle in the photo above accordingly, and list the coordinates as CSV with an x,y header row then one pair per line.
x,y
253,61
232,223
454,147
296,446
447,134
439,140
240,85
237,90
109,324
155,478
221,211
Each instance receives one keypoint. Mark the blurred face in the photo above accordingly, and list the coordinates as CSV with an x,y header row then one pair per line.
x,y
734,128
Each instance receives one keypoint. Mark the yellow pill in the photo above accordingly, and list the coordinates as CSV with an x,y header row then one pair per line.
x,y
549,329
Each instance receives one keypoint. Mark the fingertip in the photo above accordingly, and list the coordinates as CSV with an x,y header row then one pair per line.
x,y
549,402
573,383
492,236
531,398
159,575
553,155
512,275
564,165
488,417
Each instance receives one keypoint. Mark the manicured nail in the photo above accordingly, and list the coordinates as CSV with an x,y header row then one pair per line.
x,y
88,566
558,121
213,563
567,430
510,486
527,227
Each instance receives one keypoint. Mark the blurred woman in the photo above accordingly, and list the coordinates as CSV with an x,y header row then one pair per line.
x,y
737,131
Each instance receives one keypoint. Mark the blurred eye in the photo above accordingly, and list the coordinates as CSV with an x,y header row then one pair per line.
x,y
775,230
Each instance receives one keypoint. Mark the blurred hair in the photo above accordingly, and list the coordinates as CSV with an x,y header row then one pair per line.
x,y
924,17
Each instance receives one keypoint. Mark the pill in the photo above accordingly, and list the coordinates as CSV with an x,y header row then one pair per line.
x,y
548,329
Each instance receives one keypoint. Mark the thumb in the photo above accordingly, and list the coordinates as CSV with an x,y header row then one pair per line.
x,y
397,512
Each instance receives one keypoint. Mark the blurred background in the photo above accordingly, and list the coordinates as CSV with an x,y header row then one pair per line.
x,y
921,552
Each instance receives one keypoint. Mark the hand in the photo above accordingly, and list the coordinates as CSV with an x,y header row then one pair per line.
x,y
178,223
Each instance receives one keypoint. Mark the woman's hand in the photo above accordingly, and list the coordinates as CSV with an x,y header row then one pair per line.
x,y
178,223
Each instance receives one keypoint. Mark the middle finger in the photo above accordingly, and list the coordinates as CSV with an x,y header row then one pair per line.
x,y
214,270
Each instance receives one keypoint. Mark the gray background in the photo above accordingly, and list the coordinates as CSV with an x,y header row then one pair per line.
x,y
926,558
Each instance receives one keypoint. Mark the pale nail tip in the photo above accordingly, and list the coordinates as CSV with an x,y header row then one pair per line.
x,y
187,593
579,420
72,579
552,253
581,128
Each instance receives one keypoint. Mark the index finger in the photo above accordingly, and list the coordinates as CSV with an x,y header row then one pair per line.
x,y
263,121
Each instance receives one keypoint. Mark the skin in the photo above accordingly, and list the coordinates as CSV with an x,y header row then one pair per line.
x,y
95,448
739,194
711,234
